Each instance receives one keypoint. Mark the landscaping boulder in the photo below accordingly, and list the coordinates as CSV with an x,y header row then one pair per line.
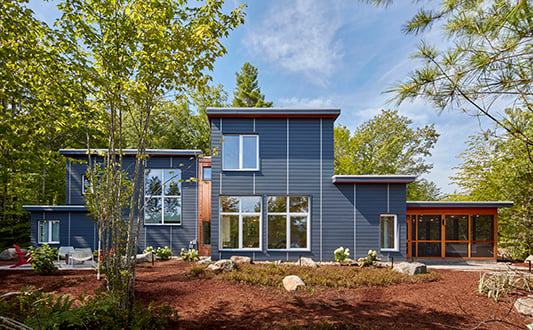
x,y
292,282
145,257
241,260
205,261
410,268
222,265
308,262
9,254
529,259
524,306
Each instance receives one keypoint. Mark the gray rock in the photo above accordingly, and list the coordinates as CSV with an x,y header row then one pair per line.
x,y
205,261
222,265
241,260
278,262
524,306
308,262
410,268
9,254
144,257
530,258
292,282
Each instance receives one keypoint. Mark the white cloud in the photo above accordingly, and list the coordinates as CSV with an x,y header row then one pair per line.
x,y
306,102
299,37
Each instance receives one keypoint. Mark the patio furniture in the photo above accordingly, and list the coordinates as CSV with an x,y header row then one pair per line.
x,y
64,252
80,256
24,258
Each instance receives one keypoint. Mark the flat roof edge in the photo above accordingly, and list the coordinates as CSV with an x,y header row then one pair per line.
x,y
463,204
373,178
55,208
150,152
273,112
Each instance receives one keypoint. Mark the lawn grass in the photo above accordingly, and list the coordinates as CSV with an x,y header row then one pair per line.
x,y
324,276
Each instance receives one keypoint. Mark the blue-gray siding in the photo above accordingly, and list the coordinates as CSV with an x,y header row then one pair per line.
x,y
308,169
76,229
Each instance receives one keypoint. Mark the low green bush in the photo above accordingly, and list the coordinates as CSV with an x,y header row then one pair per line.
x,y
164,253
197,271
341,254
190,255
42,259
42,310
149,249
370,260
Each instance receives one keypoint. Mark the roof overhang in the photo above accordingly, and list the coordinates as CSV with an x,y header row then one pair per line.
x,y
273,112
459,204
55,208
373,178
132,152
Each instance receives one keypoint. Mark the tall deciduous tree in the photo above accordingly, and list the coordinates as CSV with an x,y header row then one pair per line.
x,y
137,52
387,144
247,92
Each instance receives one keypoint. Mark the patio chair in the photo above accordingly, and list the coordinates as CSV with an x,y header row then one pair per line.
x,y
64,251
80,256
24,258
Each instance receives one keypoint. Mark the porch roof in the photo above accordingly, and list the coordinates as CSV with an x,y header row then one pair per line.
x,y
463,204
132,152
55,208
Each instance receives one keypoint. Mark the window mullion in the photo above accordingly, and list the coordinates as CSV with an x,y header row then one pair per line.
x,y
241,161
288,224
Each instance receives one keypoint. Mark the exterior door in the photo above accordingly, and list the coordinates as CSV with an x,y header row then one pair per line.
x,y
204,208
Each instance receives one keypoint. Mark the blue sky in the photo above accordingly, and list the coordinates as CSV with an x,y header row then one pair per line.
x,y
315,53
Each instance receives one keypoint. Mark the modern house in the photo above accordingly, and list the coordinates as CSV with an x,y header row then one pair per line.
x,y
269,192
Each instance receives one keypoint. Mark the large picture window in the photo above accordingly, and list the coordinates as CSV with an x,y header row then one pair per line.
x,y
240,153
48,231
240,222
162,196
288,222
389,232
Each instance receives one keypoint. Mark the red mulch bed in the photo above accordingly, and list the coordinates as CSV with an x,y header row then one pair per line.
x,y
452,302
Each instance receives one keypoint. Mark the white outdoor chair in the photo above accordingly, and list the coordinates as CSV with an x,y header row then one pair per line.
x,y
63,251
80,256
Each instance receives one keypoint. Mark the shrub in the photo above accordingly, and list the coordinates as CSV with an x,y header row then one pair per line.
x,y
42,259
371,260
149,249
42,310
190,255
164,253
197,271
501,284
341,254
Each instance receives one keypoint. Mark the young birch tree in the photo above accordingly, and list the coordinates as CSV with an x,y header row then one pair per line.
x,y
138,52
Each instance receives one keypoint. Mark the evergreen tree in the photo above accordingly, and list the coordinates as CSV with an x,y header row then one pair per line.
x,y
247,92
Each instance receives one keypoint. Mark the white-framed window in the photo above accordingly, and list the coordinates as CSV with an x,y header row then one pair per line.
x,y
240,222
240,153
48,231
288,222
389,232
162,196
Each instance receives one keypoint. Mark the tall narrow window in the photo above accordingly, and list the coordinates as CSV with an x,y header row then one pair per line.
x,y
162,196
240,153
48,231
240,222
288,222
389,232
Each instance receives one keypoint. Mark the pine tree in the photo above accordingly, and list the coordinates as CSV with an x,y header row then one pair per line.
x,y
247,92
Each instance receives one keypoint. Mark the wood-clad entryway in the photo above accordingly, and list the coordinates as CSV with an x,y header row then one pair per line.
x,y
204,207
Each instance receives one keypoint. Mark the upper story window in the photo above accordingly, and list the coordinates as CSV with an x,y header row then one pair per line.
x,y
288,222
240,153
206,173
48,231
389,232
162,196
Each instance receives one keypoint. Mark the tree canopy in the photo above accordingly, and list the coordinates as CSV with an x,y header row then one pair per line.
x,y
247,92
387,144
